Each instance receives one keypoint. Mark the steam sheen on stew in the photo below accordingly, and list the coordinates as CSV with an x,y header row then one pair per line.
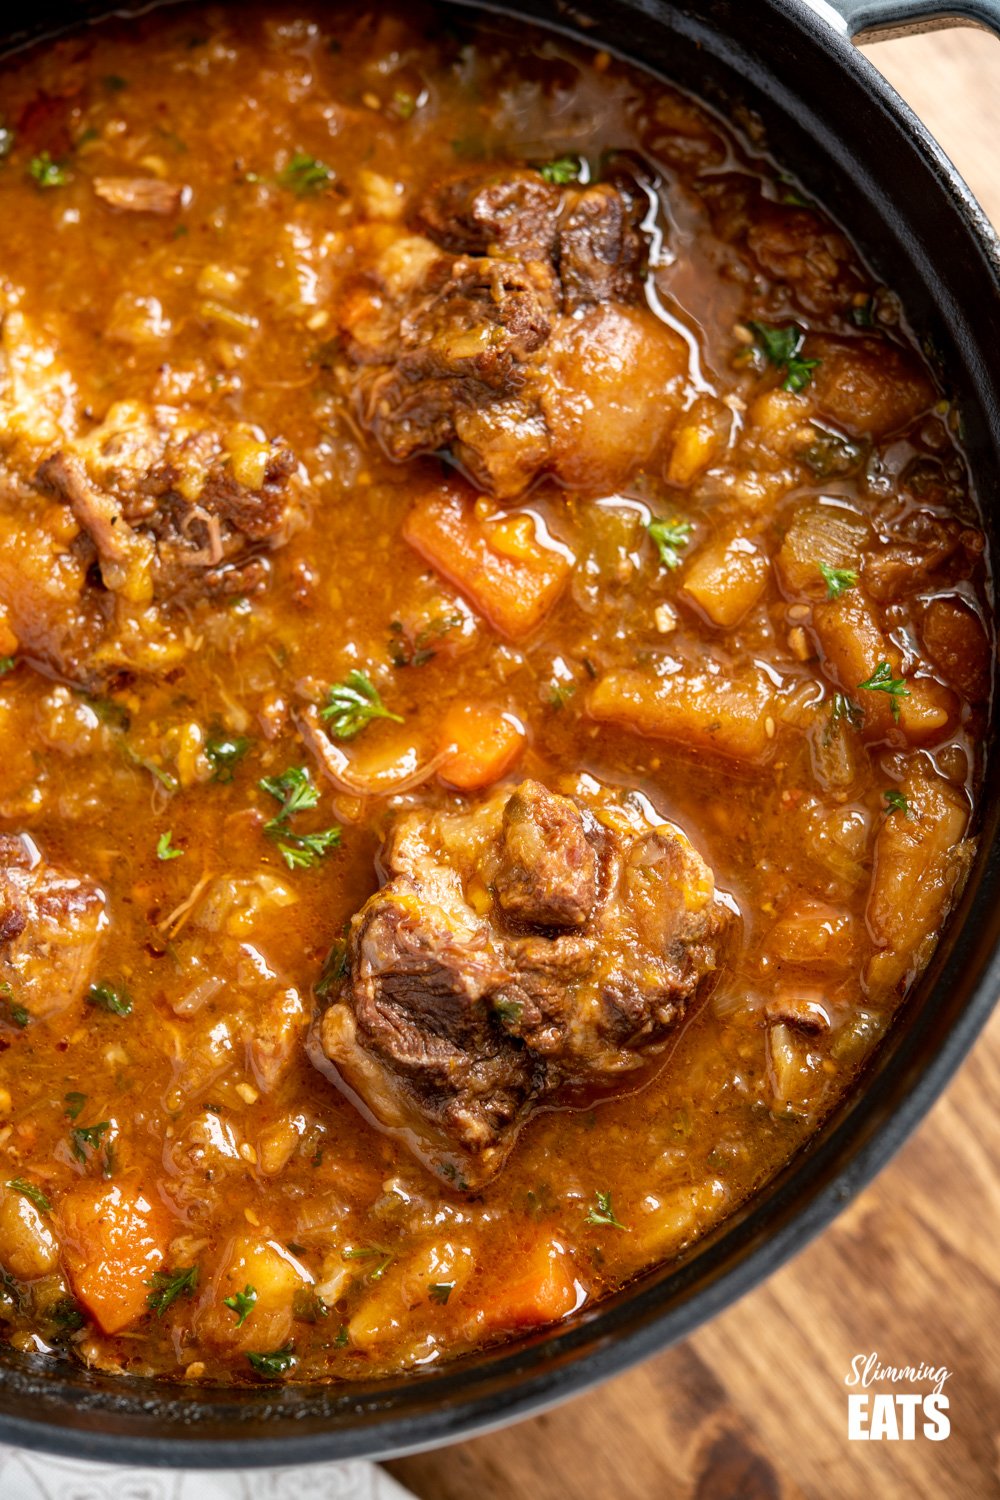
x,y
494,664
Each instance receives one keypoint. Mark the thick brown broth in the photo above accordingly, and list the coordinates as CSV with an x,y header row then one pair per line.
x,y
302,142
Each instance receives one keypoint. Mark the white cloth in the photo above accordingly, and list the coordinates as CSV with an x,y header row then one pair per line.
x,y
37,1476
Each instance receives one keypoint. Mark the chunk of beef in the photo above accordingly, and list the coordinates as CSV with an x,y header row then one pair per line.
x,y
464,350
162,507
534,944
50,931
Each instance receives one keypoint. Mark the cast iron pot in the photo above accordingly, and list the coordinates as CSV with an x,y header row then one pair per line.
x,y
832,119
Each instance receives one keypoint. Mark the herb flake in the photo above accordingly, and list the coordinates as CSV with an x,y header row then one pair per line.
x,y
882,681
670,537
602,1213
32,1193
353,704
167,1286
241,1303
837,580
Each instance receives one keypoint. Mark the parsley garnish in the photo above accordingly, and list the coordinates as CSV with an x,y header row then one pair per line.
x,y
241,1303
74,1103
353,704
367,1252
225,755
603,1213
334,967
561,171
417,653
293,789
278,1362
87,1137
841,707
440,1291
882,681
46,172
301,851
780,346
305,174
296,793
165,848
896,802
68,1314
669,537
10,1010
169,1285
837,580
404,104
863,313
33,1194
509,1010
105,997
340,1342
7,664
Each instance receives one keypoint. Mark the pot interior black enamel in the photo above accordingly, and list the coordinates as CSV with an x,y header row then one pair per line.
x,y
830,118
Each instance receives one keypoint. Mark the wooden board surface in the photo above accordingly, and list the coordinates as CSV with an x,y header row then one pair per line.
x,y
754,1406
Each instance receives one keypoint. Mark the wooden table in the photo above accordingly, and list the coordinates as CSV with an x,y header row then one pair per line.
x,y
754,1406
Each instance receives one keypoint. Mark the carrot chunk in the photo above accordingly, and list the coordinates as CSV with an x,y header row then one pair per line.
x,y
114,1238
546,1292
501,565
487,743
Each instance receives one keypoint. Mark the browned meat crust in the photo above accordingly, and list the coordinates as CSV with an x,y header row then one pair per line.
x,y
534,943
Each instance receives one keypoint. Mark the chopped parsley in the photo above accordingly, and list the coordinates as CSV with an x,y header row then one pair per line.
x,y
560,693
882,681
46,172
831,455
509,1010
341,1341
781,346
301,851
115,82
84,1138
106,997
385,1258
404,652
334,967
842,708
293,789
167,1286
225,755
602,1212
165,848
168,782
440,1291
404,104
68,1314
74,1102
353,704
241,1303
33,1194
305,174
307,1307
277,1362
10,1010
837,580
896,802
7,664
863,313
296,793
670,537
563,170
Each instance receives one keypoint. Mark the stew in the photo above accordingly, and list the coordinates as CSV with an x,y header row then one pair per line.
x,y
495,667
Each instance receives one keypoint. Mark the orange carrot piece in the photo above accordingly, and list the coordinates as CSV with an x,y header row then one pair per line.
x,y
487,743
501,565
546,1292
114,1238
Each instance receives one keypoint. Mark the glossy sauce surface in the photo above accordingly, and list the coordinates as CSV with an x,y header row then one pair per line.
x,y
292,148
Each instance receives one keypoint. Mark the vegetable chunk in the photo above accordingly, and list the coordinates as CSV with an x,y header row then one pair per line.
x,y
503,567
114,1239
728,716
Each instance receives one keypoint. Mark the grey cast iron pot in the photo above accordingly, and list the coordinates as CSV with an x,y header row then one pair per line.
x,y
832,119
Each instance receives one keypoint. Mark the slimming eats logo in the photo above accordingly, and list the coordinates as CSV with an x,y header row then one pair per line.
x,y
875,1416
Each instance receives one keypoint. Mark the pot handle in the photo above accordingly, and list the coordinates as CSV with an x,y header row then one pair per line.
x,y
873,20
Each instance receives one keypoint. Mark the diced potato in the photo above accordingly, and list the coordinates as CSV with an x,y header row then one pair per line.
x,y
486,743
725,578
275,1276
699,440
509,574
955,641
114,1239
921,860
793,1069
670,1219
388,1301
275,1036
28,1247
729,716
611,394
827,532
